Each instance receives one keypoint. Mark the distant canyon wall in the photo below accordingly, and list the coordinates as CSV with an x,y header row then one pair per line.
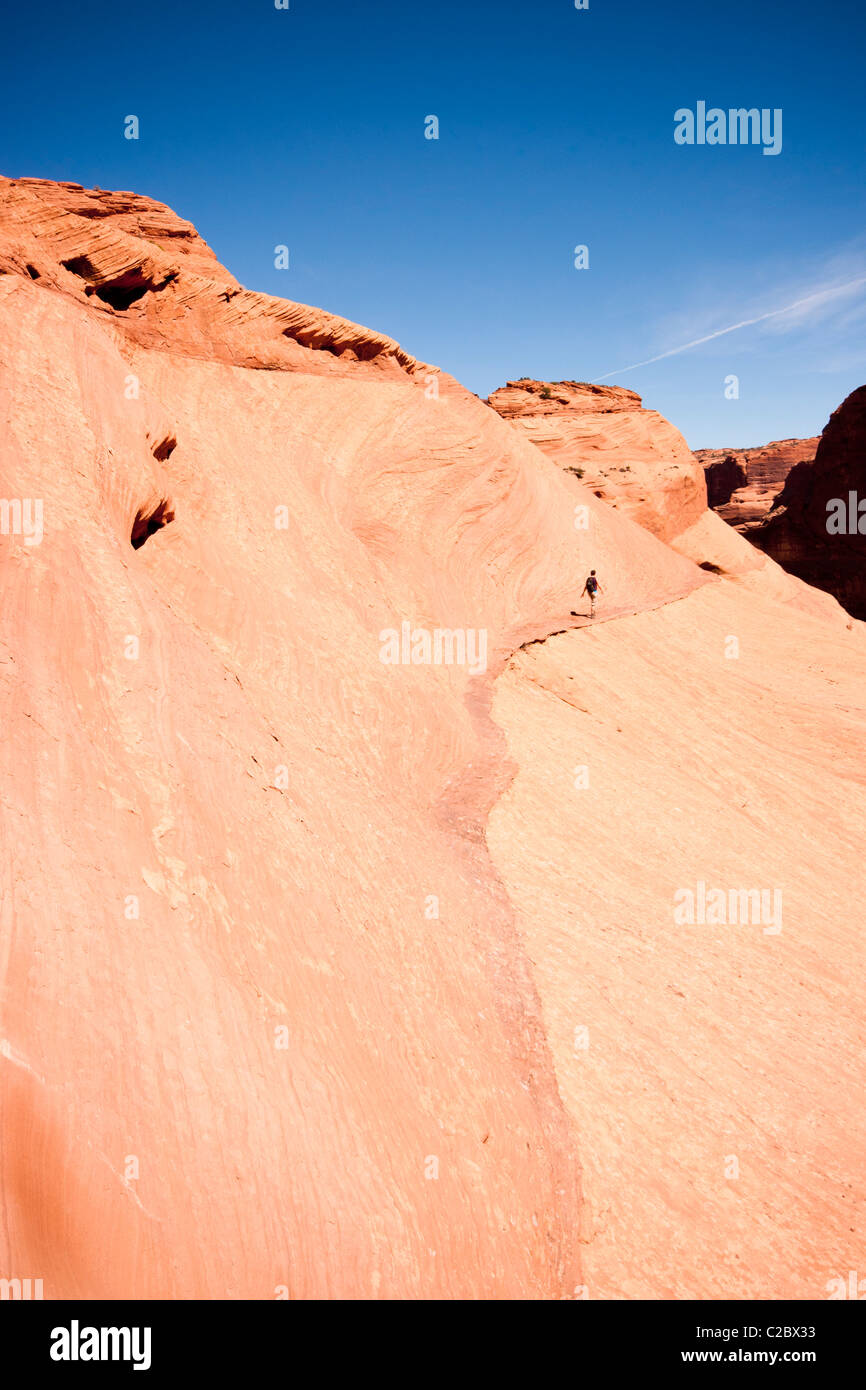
x,y
743,484
817,527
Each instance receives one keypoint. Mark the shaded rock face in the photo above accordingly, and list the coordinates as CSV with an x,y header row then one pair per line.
x,y
816,529
631,457
723,479
743,484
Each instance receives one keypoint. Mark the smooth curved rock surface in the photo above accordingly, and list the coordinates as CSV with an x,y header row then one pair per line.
x,y
295,942
225,817
714,1072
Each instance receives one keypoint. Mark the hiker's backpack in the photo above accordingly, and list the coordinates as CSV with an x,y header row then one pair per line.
x,y
592,585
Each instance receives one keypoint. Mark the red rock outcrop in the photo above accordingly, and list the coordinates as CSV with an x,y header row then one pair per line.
x,y
126,255
815,529
743,484
632,458
324,975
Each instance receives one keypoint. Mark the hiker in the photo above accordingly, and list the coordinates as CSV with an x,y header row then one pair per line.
x,y
591,587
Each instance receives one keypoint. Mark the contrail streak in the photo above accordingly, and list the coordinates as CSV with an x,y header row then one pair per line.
x,y
745,323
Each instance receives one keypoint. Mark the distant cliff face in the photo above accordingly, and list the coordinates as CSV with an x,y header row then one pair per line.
x,y
743,484
816,529
724,477
632,458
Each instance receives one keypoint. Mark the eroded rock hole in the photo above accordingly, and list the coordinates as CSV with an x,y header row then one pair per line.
x,y
149,520
120,292
32,272
164,448
81,266
358,352
124,291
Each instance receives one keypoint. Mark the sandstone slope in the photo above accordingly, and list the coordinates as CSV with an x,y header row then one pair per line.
x,y
640,465
295,943
713,1071
267,1022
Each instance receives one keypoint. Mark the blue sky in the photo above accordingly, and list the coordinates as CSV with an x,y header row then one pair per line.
x,y
306,128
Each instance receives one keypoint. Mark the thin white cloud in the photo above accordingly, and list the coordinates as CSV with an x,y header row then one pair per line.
x,y
816,300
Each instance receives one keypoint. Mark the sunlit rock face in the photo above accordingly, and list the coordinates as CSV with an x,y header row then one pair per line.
x,y
631,457
743,484
341,960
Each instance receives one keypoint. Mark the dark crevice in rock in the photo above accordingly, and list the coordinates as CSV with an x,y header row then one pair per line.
x,y
80,266
165,448
357,350
723,480
121,292
148,520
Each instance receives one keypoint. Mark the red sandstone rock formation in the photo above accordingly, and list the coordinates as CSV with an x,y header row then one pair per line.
x,y
125,254
815,529
327,975
256,944
743,484
631,457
